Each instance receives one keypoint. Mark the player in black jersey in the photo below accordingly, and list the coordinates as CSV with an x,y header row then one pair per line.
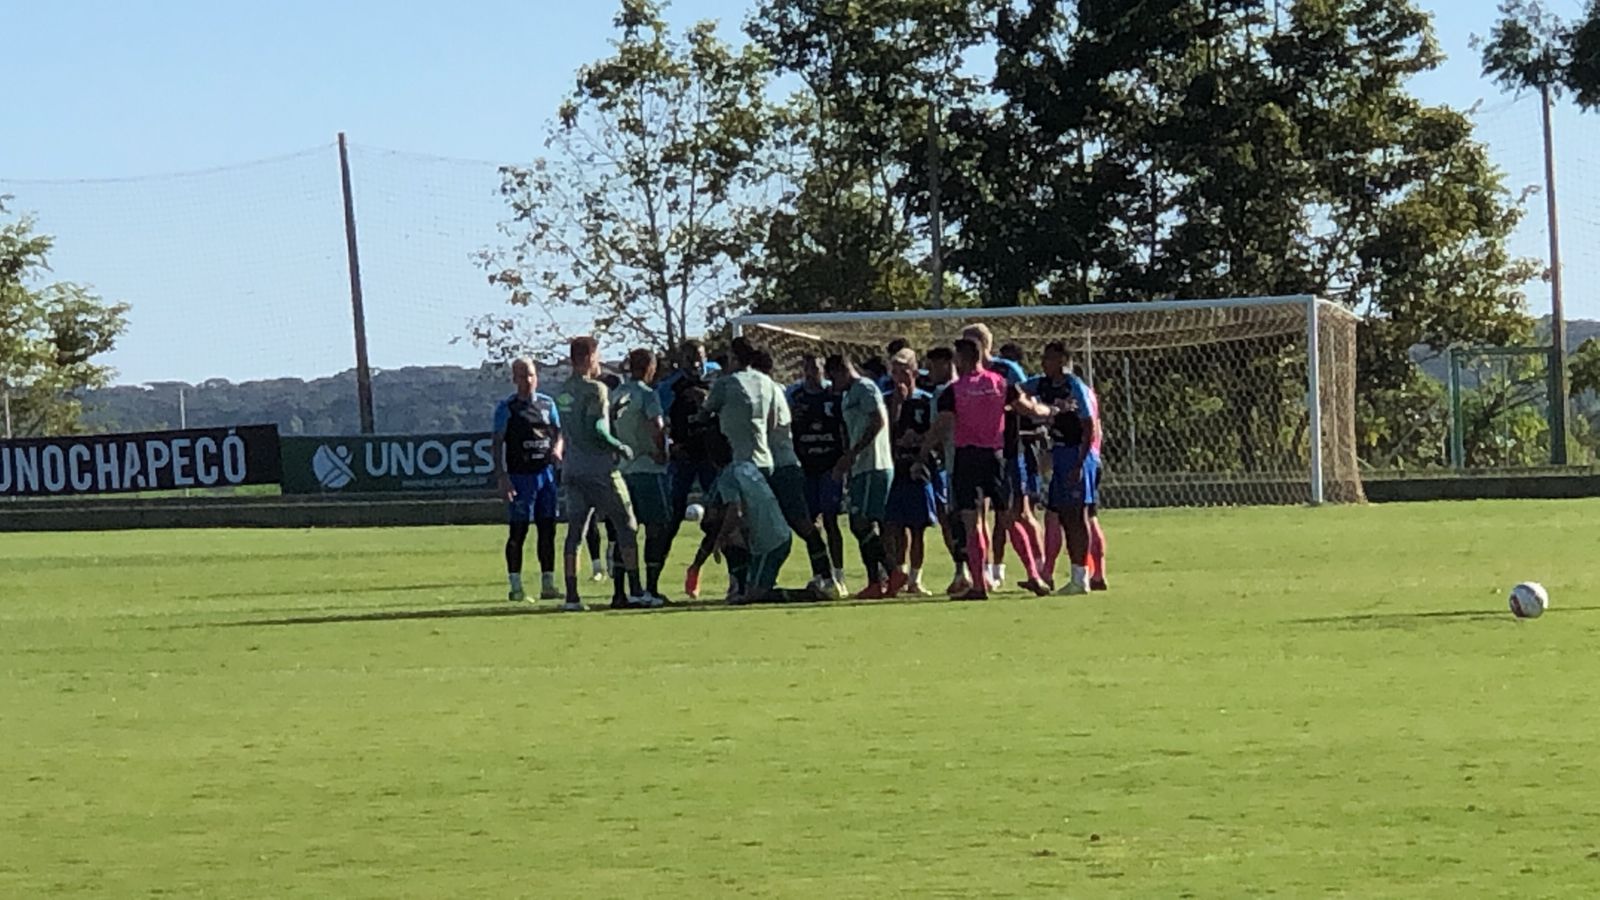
x,y
527,448
912,504
683,396
819,441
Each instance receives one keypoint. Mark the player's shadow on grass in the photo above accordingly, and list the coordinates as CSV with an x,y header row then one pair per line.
x,y
1439,617
503,610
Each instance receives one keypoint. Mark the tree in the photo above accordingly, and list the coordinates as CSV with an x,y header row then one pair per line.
x,y
841,236
50,334
642,211
1147,149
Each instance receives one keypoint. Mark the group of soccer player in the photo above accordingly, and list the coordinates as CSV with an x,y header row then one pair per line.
x,y
960,442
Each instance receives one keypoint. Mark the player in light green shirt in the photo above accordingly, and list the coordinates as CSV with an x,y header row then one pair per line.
x,y
590,479
869,463
637,418
742,405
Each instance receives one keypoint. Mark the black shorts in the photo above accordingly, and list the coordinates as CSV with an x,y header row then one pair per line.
x,y
979,473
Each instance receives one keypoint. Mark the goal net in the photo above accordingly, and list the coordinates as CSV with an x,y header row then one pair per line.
x,y
1203,402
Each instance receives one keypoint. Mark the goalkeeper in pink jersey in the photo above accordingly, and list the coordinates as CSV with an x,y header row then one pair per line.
x,y
974,408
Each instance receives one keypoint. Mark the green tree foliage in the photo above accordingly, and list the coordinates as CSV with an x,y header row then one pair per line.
x,y
639,214
50,334
867,74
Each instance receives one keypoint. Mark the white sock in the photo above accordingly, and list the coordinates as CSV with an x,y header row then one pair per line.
x,y
997,573
916,576
1080,576
516,580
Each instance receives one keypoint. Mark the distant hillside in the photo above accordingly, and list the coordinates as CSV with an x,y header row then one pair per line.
x,y
411,400
405,401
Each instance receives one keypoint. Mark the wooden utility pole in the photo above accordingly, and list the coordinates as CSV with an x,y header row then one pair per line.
x,y
1558,321
935,214
358,312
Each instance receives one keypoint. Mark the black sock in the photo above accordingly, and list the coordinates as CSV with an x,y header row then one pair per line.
x,y
817,550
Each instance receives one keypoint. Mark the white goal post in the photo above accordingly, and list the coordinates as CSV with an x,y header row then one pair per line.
x,y
1247,400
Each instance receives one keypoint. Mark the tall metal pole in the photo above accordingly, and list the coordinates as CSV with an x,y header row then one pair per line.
x,y
363,371
7,395
935,214
1558,322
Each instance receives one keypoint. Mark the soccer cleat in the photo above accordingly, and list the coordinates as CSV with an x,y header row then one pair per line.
x,y
646,601
598,576
1097,584
974,594
958,587
825,588
877,590
916,589
518,596
1039,588
572,606
691,584
1074,589
897,583
551,593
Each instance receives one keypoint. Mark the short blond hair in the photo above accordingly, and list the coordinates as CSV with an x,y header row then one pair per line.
x,y
979,334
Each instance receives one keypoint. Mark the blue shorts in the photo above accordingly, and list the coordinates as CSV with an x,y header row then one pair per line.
x,y
824,495
941,488
1067,494
1023,478
536,497
911,504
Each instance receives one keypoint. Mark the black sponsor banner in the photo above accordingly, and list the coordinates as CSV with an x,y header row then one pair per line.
x,y
369,464
146,461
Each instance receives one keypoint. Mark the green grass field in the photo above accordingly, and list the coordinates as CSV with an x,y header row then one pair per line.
x,y
1280,701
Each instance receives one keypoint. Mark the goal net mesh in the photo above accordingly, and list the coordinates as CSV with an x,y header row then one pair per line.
x,y
1202,404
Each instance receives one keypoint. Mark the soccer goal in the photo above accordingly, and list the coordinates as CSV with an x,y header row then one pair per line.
x,y
1204,402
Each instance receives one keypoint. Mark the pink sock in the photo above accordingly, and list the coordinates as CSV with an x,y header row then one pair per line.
x,y
1097,548
1054,538
978,557
1022,541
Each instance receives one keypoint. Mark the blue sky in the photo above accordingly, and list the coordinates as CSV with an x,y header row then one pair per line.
x,y
240,273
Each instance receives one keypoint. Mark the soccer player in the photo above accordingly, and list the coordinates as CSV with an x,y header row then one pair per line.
x,y
526,449
868,463
591,479
1075,457
683,393
974,407
743,518
636,415
788,480
912,506
818,428
941,374
1019,527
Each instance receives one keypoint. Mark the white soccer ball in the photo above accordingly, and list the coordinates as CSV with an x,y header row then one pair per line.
x,y
1529,600
694,513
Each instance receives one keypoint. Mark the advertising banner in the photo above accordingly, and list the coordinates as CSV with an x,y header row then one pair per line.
x,y
380,463
145,461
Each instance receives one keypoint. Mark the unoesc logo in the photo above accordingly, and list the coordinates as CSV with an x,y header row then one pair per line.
x,y
335,466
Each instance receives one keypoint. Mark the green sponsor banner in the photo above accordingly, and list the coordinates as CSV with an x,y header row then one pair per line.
x,y
367,464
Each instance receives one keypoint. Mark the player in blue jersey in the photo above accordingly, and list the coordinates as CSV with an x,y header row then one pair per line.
x,y
912,504
817,423
1075,479
527,447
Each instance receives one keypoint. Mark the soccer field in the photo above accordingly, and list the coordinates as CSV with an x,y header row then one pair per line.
x,y
1286,701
